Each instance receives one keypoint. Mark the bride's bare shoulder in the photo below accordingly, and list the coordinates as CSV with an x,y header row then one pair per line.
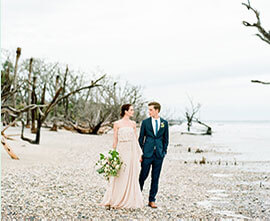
x,y
116,123
133,123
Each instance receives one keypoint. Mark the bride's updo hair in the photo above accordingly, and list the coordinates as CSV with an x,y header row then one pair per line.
x,y
125,107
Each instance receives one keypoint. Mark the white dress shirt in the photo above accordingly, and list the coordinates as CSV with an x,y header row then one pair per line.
x,y
154,124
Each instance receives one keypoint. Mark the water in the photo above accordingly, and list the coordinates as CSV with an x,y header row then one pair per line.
x,y
250,138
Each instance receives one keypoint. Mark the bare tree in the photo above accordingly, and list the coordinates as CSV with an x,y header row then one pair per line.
x,y
191,112
56,100
102,105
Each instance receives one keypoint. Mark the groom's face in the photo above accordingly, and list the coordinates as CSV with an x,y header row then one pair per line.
x,y
152,111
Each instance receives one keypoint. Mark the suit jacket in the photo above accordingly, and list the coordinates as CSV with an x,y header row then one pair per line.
x,y
148,140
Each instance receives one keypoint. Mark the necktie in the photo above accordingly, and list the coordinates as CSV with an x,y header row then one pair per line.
x,y
156,127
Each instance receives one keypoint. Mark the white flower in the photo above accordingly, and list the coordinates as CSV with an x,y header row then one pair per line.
x,y
117,167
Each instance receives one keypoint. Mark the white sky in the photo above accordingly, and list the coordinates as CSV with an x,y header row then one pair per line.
x,y
173,48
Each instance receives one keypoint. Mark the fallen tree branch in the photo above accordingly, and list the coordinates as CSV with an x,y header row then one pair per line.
x,y
8,149
260,82
14,112
209,129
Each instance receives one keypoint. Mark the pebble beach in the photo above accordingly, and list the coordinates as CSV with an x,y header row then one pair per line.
x,y
58,180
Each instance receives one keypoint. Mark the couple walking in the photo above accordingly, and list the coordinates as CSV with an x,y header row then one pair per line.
x,y
138,156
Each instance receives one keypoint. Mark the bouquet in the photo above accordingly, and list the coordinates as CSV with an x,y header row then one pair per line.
x,y
110,164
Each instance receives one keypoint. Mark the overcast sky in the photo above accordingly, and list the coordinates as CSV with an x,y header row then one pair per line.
x,y
173,48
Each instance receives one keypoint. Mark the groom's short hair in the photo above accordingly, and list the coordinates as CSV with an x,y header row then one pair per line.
x,y
156,105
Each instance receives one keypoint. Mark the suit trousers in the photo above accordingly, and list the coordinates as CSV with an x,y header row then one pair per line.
x,y
146,164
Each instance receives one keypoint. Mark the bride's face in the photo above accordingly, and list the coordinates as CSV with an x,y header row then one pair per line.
x,y
130,111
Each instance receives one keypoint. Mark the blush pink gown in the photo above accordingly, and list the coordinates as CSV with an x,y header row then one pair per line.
x,y
124,191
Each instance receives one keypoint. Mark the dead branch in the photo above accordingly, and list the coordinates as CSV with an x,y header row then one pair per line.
x,y
264,35
3,131
260,82
14,112
209,129
8,149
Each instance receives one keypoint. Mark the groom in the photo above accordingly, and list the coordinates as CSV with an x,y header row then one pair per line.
x,y
153,139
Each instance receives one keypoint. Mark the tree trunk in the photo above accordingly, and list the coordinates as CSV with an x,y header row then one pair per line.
x,y
96,128
34,101
66,107
65,101
29,93
56,88
18,52
39,121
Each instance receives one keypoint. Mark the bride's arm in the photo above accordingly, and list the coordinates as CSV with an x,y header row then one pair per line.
x,y
135,131
139,148
115,135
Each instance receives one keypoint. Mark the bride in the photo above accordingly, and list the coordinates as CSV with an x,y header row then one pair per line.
x,y
124,190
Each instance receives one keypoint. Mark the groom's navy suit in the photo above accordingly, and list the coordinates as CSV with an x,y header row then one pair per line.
x,y
154,149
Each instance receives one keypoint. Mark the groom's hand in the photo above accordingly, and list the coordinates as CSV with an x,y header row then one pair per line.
x,y
141,159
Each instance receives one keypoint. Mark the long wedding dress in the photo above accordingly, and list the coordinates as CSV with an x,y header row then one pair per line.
x,y
124,191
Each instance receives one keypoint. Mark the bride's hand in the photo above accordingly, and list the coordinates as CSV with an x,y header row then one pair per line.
x,y
141,159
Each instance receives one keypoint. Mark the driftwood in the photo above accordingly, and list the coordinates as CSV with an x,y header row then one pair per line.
x,y
83,129
3,131
209,129
4,142
190,133
8,149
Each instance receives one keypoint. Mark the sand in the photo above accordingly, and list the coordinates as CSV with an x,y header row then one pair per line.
x,y
57,179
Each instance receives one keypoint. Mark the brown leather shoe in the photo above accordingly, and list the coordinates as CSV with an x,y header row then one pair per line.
x,y
152,205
